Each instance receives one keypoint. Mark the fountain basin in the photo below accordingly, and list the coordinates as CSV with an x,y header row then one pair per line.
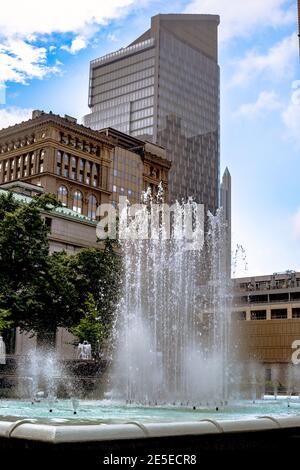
x,y
157,431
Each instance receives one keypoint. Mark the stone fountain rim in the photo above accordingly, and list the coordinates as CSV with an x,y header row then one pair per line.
x,y
58,433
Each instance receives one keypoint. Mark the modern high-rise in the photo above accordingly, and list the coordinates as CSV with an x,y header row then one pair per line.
x,y
225,203
165,87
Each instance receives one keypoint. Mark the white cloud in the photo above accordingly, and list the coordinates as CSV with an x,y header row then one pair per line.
x,y
20,60
13,115
239,18
22,24
291,116
31,17
266,101
275,64
77,44
112,37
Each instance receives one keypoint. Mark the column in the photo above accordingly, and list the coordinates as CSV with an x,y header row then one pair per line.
x,y
268,313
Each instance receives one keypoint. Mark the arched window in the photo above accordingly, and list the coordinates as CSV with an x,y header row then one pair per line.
x,y
92,207
58,163
62,195
77,202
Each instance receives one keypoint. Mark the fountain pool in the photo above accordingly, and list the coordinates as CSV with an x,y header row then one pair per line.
x,y
115,412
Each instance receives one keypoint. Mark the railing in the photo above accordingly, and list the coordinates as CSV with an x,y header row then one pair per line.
x,y
123,52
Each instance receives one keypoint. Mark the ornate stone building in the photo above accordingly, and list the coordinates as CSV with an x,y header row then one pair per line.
x,y
83,167
60,155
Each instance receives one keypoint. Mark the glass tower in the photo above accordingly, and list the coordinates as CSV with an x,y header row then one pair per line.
x,y
164,87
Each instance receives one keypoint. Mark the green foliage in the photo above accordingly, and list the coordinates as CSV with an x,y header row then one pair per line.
x,y
90,327
5,321
99,273
52,300
23,244
40,292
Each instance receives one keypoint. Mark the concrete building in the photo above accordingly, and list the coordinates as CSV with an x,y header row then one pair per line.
x,y
165,86
267,314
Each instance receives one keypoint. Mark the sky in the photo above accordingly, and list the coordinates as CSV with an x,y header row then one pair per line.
x,y
44,64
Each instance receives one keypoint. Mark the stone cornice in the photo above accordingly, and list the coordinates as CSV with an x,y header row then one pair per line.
x,y
62,123
152,158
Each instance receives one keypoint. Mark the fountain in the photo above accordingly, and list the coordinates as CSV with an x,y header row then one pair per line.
x,y
172,328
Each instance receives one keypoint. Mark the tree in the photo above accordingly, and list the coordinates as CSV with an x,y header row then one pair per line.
x,y
42,292
51,301
99,272
23,244
90,328
5,321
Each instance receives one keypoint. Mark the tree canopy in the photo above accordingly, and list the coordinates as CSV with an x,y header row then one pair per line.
x,y
39,291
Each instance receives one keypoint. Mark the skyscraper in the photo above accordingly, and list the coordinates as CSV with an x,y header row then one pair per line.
x,y
165,87
225,203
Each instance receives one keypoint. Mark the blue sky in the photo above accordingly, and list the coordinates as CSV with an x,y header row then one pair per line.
x,y
44,64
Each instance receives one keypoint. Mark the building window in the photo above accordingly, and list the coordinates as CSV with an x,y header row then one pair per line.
x,y
92,207
66,166
12,166
296,312
41,161
258,315
88,173
32,163
278,313
77,202
95,175
81,170
58,163
114,188
62,195
73,168
26,163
